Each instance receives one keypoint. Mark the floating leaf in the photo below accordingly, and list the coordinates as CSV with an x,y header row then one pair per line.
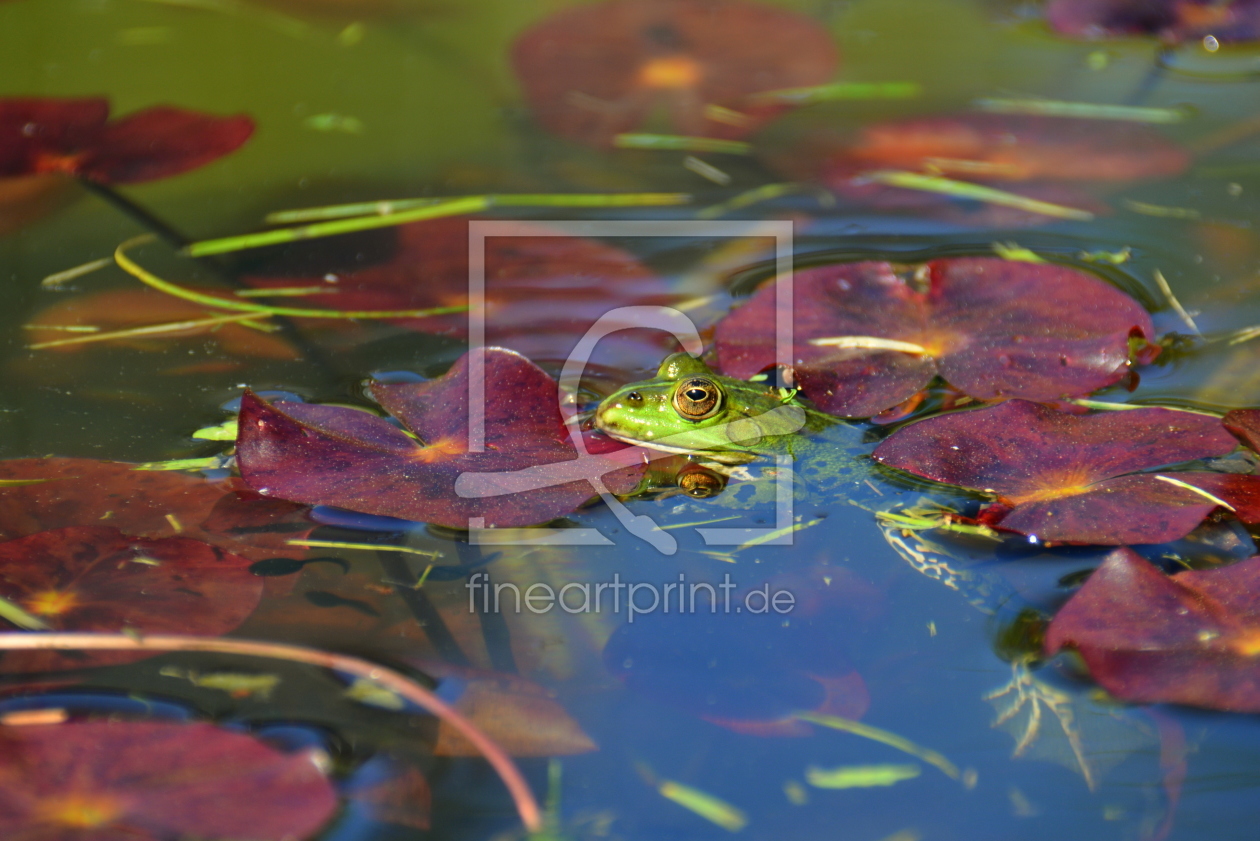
x,y
75,137
542,292
1065,477
1043,158
94,578
991,328
393,791
522,717
327,455
1192,638
151,781
594,71
1245,423
1171,20
150,504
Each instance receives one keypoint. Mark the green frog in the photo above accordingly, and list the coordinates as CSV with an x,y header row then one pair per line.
x,y
686,408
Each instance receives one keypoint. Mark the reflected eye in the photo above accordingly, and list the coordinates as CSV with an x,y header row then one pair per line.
x,y
701,484
697,398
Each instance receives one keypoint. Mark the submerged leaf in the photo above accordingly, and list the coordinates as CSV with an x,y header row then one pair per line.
x,y
124,309
1171,20
519,715
150,504
991,328
1065,477
327,455
1043,158
74,136
594,71
542,291
1192,638
98,579
152,781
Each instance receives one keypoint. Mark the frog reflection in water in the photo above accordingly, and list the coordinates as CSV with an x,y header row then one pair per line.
x,y
689,409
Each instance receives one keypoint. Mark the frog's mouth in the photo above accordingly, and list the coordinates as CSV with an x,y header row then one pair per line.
x,y
719,456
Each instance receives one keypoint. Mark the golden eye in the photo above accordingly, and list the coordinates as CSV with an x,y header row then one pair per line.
x,y
701,484
697,398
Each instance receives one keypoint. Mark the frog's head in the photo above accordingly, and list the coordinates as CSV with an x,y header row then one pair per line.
x,y
686,408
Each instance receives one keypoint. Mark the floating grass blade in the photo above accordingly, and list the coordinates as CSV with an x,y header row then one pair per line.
x,y
705,805
682,143
149,330
1086,110
1017,253
860,776
841,90
56,279
284,291
1161,211
366,216
1162,283
1209,497
453,207
870,343
902,744
766,192
967,190
15,614
371,547
387,207
146,277
706,170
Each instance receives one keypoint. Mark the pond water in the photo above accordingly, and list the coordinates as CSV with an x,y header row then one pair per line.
x,y
609,717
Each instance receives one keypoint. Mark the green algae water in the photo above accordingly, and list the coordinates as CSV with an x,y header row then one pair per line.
x,y
645,719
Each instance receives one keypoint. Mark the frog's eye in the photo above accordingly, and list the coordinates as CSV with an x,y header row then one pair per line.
x,y
701,484
697,398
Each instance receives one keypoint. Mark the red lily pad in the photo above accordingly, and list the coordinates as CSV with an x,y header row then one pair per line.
x,y
76,137
152,781
593,71
542,292
145,503
1245,423
991,328
327,455
1052,159
1066,477
1171,20
1191,638
94,578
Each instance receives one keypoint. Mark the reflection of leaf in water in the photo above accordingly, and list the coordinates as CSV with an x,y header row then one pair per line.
x,y
1054,726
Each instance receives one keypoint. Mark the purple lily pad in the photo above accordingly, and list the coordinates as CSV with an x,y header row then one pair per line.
x,y
992,328
1172,20
328,455
1070,478
1191,638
